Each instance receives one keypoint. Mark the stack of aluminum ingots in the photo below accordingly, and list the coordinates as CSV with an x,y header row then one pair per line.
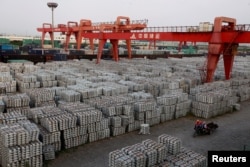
x,y
144,129
39,113
52,121
26,81
41,97
7,83
65,80
173,144
132,86
19,145
47,79
185,157
242,88
70,96
50,139
91,126
174,87
167,106
58,91
12,117
147,153
86,92
17,102
145,110
141,95
112,89
2,106
49,152
119,110
183,105
30,68
166,152
16,68
213,99
213,103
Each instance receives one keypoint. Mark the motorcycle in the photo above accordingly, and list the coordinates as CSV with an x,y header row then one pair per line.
x,y
211,127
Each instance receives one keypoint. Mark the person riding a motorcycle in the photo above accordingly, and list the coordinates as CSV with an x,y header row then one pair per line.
x,y
200,125
202,128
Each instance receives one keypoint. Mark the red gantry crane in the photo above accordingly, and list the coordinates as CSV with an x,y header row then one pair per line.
x,y
223,38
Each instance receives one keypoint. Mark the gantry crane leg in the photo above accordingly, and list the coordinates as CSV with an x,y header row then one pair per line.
x,y
91,42
217,47
43,36
51,37
211,66
67,41
79,40
114,43
100,48
128,42
228,57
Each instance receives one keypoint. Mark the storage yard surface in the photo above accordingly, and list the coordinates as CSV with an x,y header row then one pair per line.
x,y
83,111
233,133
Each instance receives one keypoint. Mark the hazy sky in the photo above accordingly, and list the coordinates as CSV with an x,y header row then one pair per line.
x,y
22,17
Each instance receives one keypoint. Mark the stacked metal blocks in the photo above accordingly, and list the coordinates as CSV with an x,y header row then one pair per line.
x,y
185,158
50,139
70,96
91,125
20,145
46,79
167,151
118,109
17,102
242,88
145,110
121,98
173,144
216,99
12,117
173,106
41,97
7,83
145,129
90,90
2,106
26,81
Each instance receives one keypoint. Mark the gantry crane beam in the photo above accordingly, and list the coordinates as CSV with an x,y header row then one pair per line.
x,y
223,39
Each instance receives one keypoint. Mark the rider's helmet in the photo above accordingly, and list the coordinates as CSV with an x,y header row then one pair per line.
x,y
197,122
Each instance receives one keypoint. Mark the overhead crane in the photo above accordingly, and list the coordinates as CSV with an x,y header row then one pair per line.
x,y
223,38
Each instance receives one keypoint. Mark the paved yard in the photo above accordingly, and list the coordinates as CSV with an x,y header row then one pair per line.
x,y
233,133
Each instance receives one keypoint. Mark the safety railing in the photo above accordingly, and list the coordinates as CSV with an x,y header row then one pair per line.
x,y
171,29
242,27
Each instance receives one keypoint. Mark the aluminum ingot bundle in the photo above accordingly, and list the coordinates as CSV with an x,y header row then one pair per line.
x,y
213,103
41,95
49,152
43,112
26,81
48,137
75,141
186,158
18,100
70,96
11,117
173,144
145,129
160,148
113,156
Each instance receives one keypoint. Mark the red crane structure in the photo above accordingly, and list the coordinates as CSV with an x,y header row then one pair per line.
x,y
223,38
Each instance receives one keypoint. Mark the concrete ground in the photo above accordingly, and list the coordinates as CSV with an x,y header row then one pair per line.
x,y
233,133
